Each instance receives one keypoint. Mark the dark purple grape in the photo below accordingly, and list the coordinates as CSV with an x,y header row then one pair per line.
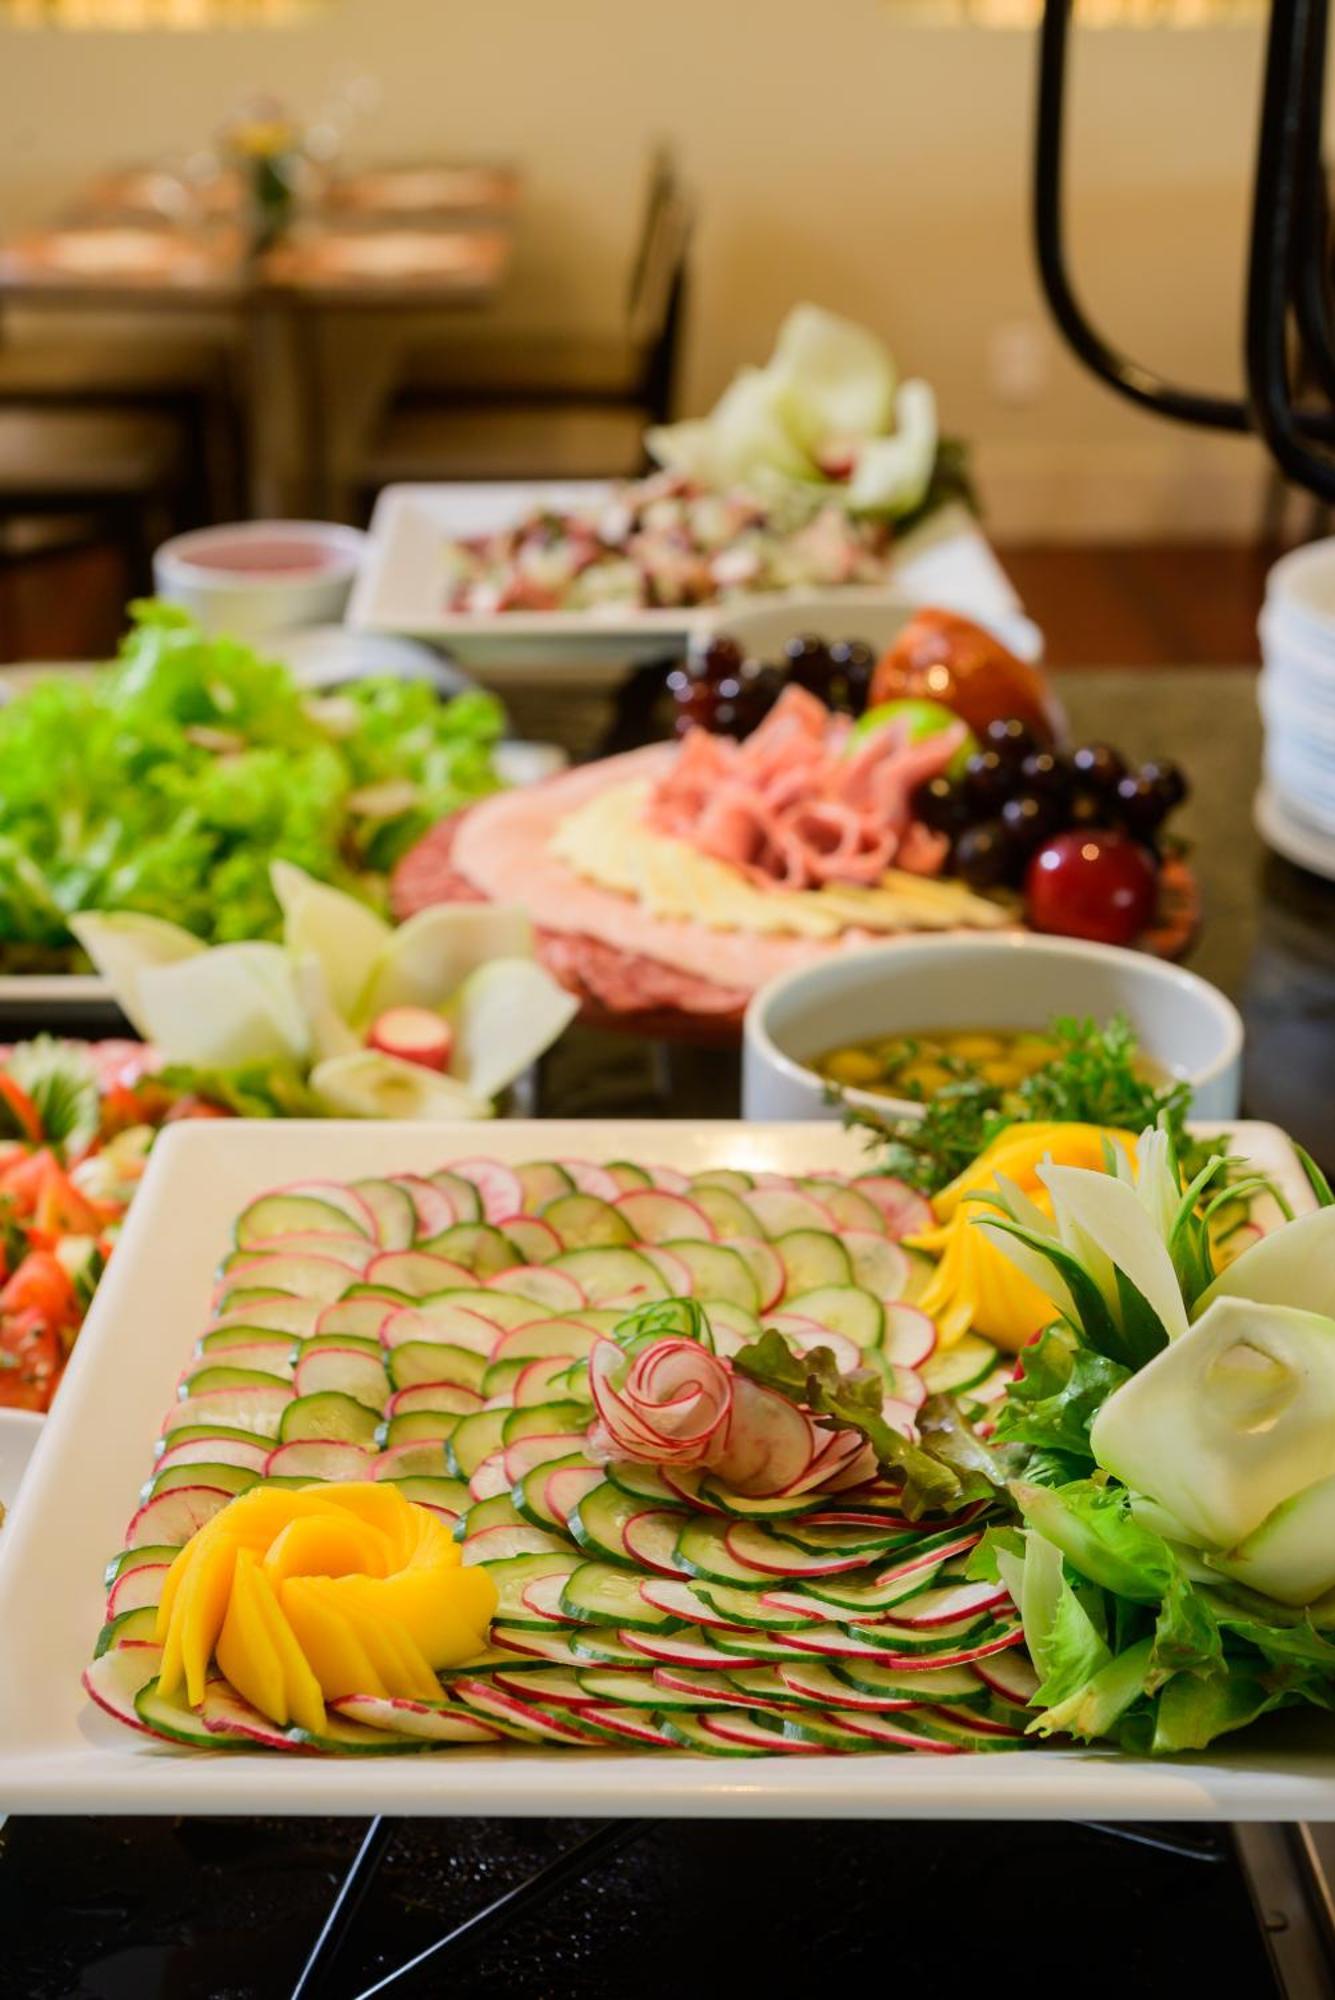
x,y
760,687
1086,808
941,805
1010,737
986,855
1099,766
852,664
1168,781
1032,819
1048,774
1140,805
988,779
714,657
808,661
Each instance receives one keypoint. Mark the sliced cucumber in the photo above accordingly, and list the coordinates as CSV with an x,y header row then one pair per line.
x,y
599,1520
226,1478
971,1359
148,1556
289,1214
318,1459
513,1577
254,1346
464,1197
556,1291
350,1371
598,1594
359,1319
583,1222
812,1258
164,1716
844,1309
474,1438
705,1553
422,1362
138,1627
718,1274
478,1246
542,1181
393,1212
728,1216
613,1274
418,1273
329,1416
750,1607
214,1375
418,1427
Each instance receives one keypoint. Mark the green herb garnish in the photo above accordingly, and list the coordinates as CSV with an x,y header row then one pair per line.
x,y
1091,1081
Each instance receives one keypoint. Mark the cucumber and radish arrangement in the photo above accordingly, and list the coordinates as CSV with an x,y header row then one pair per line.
x,y
680,1422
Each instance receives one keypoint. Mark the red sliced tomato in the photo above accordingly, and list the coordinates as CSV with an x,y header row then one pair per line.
x,y
40,1285
31,1359
21,1105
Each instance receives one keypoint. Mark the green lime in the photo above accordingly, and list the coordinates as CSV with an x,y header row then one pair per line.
x,y
924,718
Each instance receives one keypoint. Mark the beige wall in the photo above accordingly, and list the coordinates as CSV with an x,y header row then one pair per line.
x,y
840,153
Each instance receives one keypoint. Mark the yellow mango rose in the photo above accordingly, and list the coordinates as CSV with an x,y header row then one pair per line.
x,y
302,1595
975,1287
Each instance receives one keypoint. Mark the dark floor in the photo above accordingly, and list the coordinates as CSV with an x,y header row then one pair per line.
x,y
1100,605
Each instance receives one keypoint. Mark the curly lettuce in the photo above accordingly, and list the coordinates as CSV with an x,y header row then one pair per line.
x,y
169,781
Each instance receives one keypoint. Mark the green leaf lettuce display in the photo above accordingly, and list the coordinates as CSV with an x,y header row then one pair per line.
x,y
168,782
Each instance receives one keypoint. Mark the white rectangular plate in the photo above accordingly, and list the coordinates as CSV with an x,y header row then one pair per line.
x,y
58,1754
401,588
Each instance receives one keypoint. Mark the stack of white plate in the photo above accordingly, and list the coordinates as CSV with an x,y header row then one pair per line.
x,y
1295,808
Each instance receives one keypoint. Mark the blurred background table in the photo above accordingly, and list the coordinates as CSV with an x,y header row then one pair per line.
x,y
141,244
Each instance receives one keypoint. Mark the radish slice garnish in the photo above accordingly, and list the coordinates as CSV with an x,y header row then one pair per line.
x,y
413,1034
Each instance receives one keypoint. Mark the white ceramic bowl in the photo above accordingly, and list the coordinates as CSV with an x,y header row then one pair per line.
x,y
1016,981
19,1432
255,578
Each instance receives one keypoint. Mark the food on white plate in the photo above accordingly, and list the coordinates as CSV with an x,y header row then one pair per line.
x,y
166,784
511,1458
800,478
685,876
431,1020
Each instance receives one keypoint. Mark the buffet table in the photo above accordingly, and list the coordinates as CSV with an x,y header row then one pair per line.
x,y
125,1907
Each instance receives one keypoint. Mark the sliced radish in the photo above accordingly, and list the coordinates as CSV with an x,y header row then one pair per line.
x,y
535,1240
452,1398
543,1598
655,1217
489,1700
1011,1676
675,1595
489,1480
670,1179
740,1729
348,1369
804,1335
589,1179
562,1491
516,1538
358,1319
879,1265
781,1209
644,1536
249,1455
114,1680
910,1336
170,1519
432,1206
447,1326
420,1273
537,1381
353,1251
904,1210
137,1590
322,1278
978,1724
949,1604
256,1410
497,1184
681,1649
894,1735
413,1034
437,1724
224,1714
557,1291
526,1454
636,1724
675,1273
408,1460
319,1458
281,1313
756,1550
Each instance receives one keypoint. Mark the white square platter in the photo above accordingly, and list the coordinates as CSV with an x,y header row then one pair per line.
x,y
401,589
58,1754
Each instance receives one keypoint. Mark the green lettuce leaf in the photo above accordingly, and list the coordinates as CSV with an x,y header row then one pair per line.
x,y
1055,1398
1092,1524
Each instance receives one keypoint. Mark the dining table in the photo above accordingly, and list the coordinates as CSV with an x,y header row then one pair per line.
x,y
411,238
118,1909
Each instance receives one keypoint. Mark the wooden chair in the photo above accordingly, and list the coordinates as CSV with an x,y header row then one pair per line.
x,y
185,381
542,435
125,475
